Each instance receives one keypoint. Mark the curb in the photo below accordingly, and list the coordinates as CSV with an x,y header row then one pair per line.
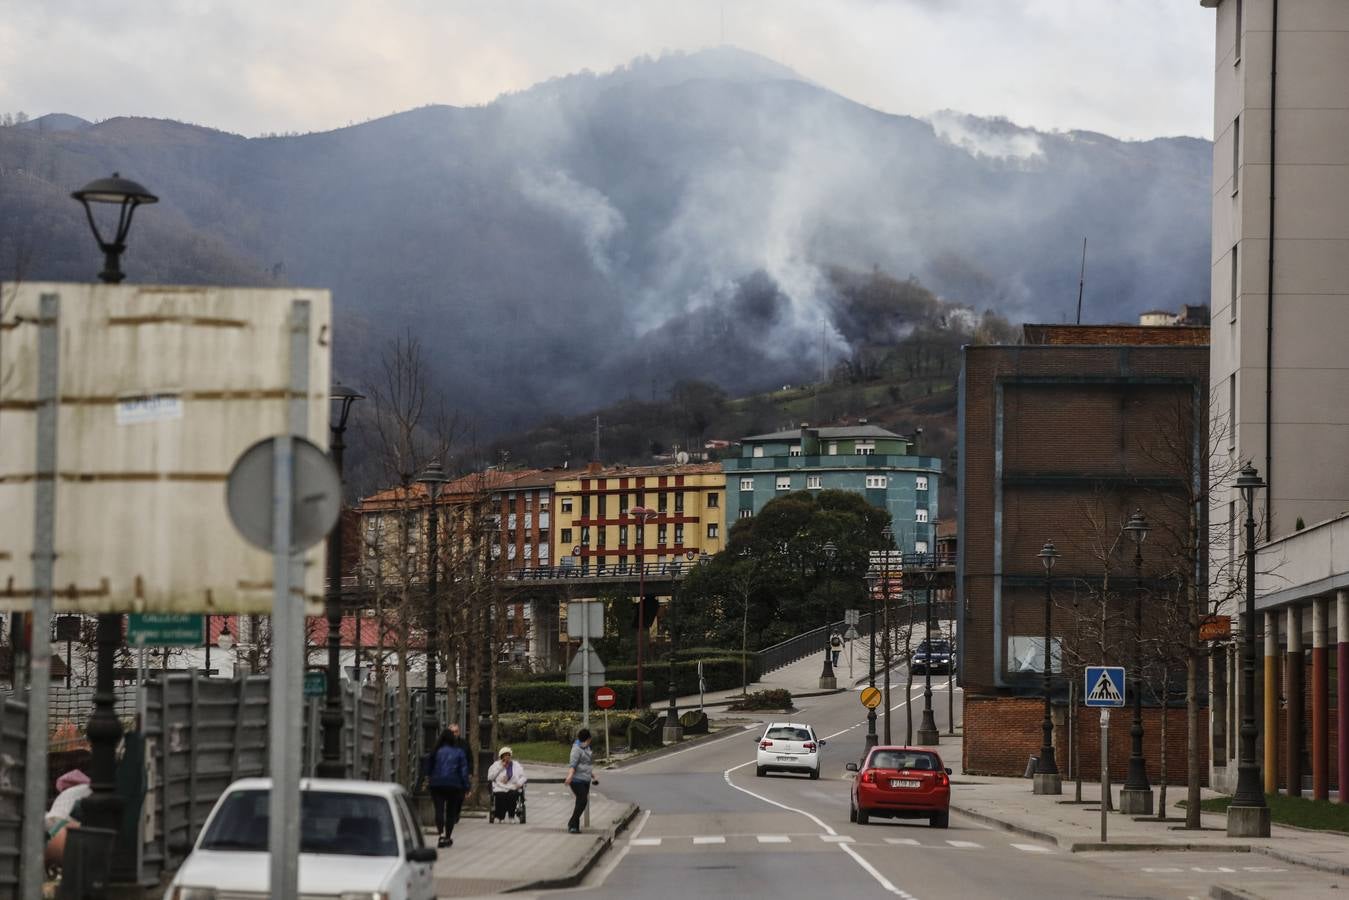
x,y
1008,826
670,749
1227,892
1298,859
582,868
1155,846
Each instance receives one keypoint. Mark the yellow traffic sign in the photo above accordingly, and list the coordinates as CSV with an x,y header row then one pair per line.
x,y
871,697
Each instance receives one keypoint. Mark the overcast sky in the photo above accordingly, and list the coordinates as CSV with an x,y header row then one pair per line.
x,y
1129,68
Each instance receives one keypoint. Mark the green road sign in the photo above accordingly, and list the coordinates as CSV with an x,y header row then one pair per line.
x,y
165,629
315,683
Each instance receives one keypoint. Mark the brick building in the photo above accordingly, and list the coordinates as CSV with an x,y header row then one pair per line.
x,y
1060,438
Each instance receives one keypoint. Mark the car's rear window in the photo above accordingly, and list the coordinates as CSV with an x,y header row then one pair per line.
x,y
330,822
784,733
903,759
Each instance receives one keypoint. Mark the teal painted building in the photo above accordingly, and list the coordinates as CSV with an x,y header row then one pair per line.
x,y
878,464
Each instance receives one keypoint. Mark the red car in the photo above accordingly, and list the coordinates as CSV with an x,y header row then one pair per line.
x,y
901,783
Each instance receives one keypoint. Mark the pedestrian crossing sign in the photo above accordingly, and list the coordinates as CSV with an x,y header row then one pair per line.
x,y
1104,686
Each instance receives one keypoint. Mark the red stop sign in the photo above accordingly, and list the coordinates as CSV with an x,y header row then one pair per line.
x,y
605,697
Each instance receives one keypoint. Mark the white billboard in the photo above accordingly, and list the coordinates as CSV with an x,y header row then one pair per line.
x,y
161,388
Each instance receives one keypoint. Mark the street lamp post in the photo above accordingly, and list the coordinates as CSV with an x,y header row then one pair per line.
x,y
103,807
1047,779
827,680
928,735
330,766
879,580
434,479
642,514
1248,815
1136,794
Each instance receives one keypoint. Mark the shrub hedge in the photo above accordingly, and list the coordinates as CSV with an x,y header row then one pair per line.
x,y
721,673
774,699
546,696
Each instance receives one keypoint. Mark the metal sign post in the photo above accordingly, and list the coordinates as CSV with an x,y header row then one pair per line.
x,y
1105,768
1104,689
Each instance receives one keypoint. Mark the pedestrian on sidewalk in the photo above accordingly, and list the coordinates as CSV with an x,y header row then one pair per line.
x,y
835,646
580,776
508,779
446,771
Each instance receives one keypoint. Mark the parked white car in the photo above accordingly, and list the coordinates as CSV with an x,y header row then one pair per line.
x,y
359,840
787,746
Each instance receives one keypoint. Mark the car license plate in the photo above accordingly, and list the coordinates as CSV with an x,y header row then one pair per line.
x,y
904,783
784,759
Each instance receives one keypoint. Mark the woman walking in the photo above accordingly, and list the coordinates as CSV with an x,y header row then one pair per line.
x,y
580,775
447,775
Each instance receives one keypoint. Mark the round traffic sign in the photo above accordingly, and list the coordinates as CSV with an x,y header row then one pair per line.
x,y
605,697
871,697
315,494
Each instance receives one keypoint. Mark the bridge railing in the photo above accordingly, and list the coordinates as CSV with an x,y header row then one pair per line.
x,y
806,644
623,573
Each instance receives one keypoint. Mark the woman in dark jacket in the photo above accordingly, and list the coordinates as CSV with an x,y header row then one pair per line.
x,y
446,772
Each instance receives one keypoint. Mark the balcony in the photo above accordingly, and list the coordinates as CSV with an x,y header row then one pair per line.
x,y
793,463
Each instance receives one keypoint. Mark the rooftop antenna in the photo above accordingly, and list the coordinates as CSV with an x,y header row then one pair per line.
x,y
1081,280
596,457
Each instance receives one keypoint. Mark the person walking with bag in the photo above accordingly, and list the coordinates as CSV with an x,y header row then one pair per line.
x,y
580,776
507,778
447,774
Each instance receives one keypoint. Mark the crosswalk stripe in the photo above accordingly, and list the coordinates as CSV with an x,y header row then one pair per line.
x,y
1033,848
774,839
965,845
645,842
710,839
836,838
905,842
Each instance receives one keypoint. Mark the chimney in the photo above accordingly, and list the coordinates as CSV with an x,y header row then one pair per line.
x,y
918,441
594,467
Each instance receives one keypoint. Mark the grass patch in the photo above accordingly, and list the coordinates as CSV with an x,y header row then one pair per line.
x,y
553,752
1321,815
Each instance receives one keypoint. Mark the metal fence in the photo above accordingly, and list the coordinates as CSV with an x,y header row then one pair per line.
x,y
806,644
13,740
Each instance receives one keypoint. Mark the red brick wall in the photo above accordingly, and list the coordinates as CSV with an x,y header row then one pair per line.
x,y
1001,733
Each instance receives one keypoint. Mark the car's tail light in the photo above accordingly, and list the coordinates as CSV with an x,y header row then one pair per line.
x,y
765,745
942,780
810,746
869,776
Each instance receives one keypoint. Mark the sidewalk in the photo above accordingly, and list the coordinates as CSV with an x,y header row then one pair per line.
x,y
487,859
1009,804
802,678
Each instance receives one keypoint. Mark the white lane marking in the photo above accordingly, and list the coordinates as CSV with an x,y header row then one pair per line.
x,y
773,839
737,732
836,838
1262,869
1213,871
611,864
1032,848
710,839
867,867
965,845
1162,870
904,842
645,842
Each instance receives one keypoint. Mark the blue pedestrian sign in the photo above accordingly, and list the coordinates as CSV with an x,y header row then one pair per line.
x,y
1104,686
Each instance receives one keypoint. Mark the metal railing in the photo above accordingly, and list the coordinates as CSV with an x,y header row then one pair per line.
x,y
648,570
806,644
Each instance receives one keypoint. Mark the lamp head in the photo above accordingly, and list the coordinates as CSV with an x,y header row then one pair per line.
x,y
1137,527
127,195
226,640
830,550
1248,482
344,397
1048,556
434,478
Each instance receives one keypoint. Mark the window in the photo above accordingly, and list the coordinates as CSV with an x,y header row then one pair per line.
x,y
1237,16
328,818
713,499
661,532
510,521
1236,155
679,535
920,516
543,552
566,504
529,551
622,562
1236,284
529,501
544,520
1231,532
920,483
585,507
711,532
585,534
833,448
920,546
784,482
545,502
622,535
747,484
1231,414
864,448
529,521
600,503
794,451
877,481
814,482
746,513
601,536
679,502
510,552
640,533
758,452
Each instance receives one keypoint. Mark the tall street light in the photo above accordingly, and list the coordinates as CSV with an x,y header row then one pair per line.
x,y
642,514
103,807
1047,780
928,735
1136,795
827,680
434,480
330,766
876,581
1248,815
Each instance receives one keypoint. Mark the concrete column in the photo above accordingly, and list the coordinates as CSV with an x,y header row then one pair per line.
x,y
1320,703
1293,709
1342,694
1271,722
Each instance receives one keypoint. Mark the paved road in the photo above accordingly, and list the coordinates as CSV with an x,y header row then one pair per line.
x,y
710,828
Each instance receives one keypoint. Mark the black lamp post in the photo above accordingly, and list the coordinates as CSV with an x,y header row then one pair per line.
x,y
1047,780
1136,795
827,680
878,580
330,766
434,479
1248,815
103,807
642,514
928,735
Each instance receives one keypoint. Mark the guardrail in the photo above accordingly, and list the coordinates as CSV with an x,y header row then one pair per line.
x,y
803,645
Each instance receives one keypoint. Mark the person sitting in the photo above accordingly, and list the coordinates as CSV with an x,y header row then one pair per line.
x,y
508,779
72,787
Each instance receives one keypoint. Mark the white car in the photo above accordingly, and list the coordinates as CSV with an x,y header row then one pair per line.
x,y
786,746
359,840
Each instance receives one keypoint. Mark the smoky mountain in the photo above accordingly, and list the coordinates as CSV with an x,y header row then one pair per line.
x,y
600,234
